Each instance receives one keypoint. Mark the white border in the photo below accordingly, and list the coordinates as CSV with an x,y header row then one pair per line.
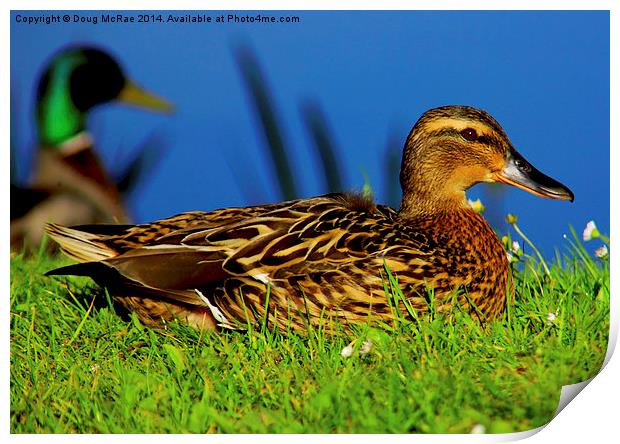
x,y
593,416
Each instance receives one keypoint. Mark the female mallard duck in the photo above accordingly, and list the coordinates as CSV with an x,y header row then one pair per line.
x,y
325,258
69,184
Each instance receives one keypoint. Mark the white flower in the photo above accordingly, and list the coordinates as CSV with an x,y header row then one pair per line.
x,y
601,252
590,232
347,351
516,247
477,205
478,428
550,318
366,347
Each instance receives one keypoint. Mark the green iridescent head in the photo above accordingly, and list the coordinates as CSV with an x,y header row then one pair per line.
x,y
75,81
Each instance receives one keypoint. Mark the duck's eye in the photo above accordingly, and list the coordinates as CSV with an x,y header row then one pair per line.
x,y
469,134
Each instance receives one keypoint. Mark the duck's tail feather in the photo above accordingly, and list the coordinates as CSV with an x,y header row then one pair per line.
x,y
79,245
106,275
84,269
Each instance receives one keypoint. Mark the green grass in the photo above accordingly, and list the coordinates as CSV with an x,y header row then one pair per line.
x,y
77,366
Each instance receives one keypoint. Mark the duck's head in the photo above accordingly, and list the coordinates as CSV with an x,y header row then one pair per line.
x,y
452,148
75,81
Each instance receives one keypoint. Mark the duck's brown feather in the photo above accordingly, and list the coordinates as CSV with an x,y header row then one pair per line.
x,y
317,258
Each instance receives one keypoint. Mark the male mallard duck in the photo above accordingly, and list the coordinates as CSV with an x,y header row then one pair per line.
x,y
69,184
325,257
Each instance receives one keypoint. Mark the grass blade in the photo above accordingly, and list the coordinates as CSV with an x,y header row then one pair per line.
x,y
262,100
316,123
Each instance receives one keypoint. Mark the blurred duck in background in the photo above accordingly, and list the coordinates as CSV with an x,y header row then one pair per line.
x,y
68,183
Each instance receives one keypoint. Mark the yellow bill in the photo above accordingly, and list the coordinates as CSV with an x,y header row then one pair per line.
x,y
132,94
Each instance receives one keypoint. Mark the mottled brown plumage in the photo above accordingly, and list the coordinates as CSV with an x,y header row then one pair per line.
x,y
325,258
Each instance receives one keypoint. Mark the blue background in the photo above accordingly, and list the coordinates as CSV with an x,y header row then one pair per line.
x,y
543,75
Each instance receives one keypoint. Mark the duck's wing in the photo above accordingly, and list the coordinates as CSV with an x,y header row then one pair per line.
x,y
82,175
150,258
297,238
304,236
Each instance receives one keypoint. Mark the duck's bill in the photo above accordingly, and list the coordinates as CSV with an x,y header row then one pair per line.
x,y
520,173
132,94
